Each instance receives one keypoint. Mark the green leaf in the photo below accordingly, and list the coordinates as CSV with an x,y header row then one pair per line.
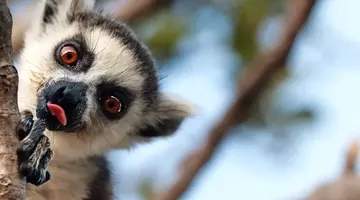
x,y
305,114
163,41
146,189
300,116
250,14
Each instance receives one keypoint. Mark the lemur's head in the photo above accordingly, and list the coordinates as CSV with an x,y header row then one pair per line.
x,y
92,81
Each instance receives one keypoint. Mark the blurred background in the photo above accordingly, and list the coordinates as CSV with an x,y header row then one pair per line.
x,y
299,129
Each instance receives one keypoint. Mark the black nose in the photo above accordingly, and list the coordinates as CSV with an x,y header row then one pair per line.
x,y
70,96
67,94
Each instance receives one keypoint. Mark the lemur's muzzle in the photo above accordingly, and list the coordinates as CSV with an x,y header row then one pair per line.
x,y
62,104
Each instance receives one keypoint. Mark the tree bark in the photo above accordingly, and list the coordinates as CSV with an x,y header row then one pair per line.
x,y
12,186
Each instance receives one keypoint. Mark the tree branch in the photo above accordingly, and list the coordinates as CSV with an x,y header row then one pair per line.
x,y
351,156
254,81
347,186
12,187
133,10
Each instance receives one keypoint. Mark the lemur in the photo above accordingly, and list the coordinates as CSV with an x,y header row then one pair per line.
x,y
87,85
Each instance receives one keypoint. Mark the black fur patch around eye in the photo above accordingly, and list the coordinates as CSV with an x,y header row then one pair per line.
x,y
86,56
108,88
51,8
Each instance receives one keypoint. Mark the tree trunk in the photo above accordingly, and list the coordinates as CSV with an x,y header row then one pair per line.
x,y
12,187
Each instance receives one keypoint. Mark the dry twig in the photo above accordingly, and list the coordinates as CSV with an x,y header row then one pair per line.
x,y
12,187
133,10
351,158
253,82
347,186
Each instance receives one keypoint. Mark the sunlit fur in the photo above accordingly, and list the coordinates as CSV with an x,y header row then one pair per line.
x,y
115,60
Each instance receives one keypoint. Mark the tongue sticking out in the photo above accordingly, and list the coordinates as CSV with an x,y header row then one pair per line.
x,y
58,112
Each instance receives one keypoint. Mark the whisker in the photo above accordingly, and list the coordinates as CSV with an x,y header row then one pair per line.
x,y
103,48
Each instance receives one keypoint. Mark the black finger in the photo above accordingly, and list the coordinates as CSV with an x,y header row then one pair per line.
x,y
35,169
41,148
25,124
41,175
28,144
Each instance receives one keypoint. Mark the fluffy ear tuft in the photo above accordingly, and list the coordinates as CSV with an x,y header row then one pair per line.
x,y
60,10
51,11
167,117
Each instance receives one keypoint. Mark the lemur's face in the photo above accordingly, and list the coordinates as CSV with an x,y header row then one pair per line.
x,y
88,75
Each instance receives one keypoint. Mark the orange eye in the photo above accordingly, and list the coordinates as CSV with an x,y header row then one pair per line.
x,y
69,55
112,105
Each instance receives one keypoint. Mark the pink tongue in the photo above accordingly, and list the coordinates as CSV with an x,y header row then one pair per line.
x,y
58,112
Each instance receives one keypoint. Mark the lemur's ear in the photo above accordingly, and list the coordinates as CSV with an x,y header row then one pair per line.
x,y
59,10
167,117
48,12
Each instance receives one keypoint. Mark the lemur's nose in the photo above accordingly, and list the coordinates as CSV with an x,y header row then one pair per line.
x,y
67,94
62,104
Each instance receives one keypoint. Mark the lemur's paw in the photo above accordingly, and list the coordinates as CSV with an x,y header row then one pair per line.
x,y
24,126
34,152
